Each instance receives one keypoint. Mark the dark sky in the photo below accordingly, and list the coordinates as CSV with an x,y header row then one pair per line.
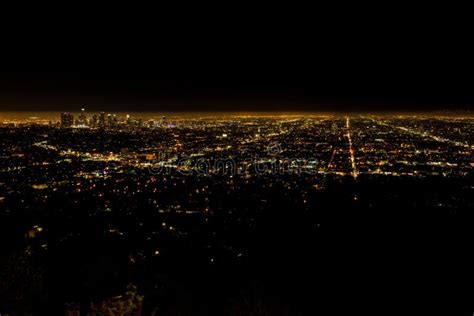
x,y
302,63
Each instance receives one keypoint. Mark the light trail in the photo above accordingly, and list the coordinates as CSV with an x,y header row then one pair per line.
x,y
355,173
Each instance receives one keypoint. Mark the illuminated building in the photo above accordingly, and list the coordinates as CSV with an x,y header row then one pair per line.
x,y
67,120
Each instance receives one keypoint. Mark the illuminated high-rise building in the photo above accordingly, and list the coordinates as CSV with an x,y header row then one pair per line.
x,y
101,119
82,120
67,120
94,120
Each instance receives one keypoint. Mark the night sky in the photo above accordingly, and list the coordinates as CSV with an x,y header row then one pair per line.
x,y
290,66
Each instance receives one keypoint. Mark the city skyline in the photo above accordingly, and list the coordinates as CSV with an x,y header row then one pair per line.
x,y
316,165
314,161
216,212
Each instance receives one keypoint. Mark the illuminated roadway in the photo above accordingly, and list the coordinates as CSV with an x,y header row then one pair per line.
x,y
424,134
355,173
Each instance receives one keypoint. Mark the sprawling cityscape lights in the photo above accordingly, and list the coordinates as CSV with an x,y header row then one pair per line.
x,y
172,213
